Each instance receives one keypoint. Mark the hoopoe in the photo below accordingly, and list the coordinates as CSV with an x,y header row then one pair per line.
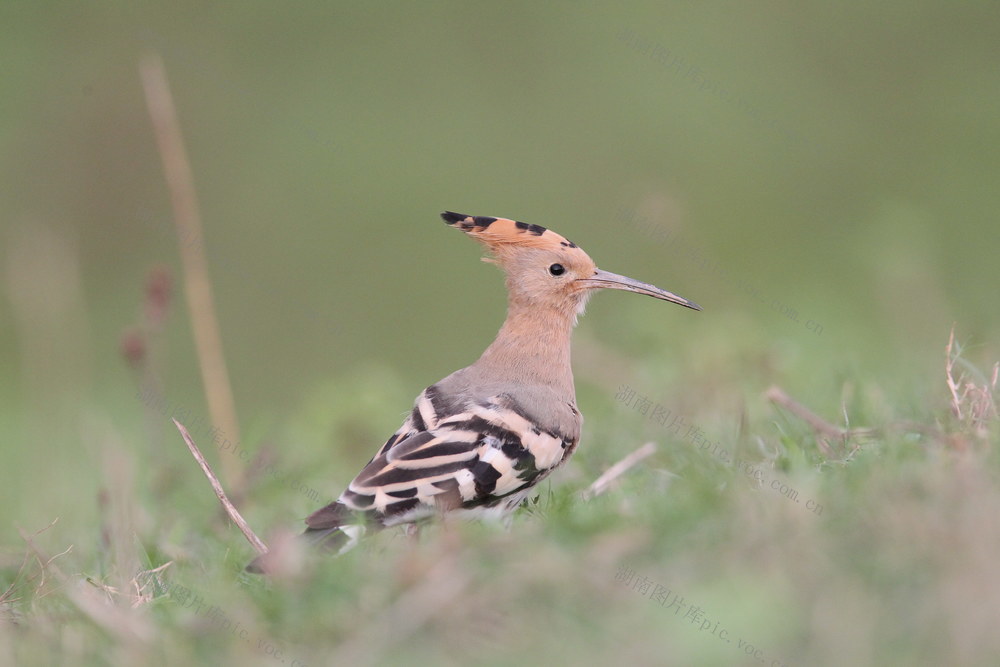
x,y
478,441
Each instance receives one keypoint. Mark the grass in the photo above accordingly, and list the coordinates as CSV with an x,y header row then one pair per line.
x,y
784,514
800,506
878,548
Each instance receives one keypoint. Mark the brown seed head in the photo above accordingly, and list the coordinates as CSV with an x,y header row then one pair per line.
x,y
133,347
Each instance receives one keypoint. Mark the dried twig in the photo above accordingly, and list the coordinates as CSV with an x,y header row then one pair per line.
x,y
823,429
956,402
141,597
8,594
233,513
126,626
977,399
602,483
197,286
777,395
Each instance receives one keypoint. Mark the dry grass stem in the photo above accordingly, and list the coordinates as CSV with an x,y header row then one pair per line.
x,y
977,400
949,367
228,506
778,396
91,602
603,483
197,286
141,596
823,429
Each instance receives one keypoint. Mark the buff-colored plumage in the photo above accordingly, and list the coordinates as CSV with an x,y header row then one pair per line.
x,y
480,439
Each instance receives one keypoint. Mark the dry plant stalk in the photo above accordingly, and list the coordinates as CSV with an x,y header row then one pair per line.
x,y
823,429
141,597
603,483
949,365
979,404
777,395
90,601
228,506
197,286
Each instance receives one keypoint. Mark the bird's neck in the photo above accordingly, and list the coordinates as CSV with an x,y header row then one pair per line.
x,y
533,347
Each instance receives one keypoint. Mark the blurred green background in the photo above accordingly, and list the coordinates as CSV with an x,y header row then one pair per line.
x,y
822,178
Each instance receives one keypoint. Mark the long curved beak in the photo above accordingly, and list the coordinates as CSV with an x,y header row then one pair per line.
x,y
609,280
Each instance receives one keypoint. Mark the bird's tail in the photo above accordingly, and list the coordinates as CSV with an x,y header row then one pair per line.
x,y
257,565
340,539
333,528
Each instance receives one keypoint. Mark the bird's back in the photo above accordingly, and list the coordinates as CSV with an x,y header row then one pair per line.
x,y
469,445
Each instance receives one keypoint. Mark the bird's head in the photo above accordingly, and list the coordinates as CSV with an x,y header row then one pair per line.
x,y
545,269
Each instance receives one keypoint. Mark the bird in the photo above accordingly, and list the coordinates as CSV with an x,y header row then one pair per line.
x,y
478,441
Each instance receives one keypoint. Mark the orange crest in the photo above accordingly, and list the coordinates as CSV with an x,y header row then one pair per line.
x,y
500,233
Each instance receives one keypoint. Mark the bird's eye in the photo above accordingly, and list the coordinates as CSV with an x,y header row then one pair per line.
x,y
557,269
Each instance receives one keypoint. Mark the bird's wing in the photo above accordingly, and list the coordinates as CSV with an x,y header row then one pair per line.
x,y
450,454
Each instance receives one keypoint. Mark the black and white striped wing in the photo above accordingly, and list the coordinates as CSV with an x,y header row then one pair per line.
x,y
449,457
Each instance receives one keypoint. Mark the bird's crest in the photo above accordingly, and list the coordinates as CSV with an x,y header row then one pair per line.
x,y
499,234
